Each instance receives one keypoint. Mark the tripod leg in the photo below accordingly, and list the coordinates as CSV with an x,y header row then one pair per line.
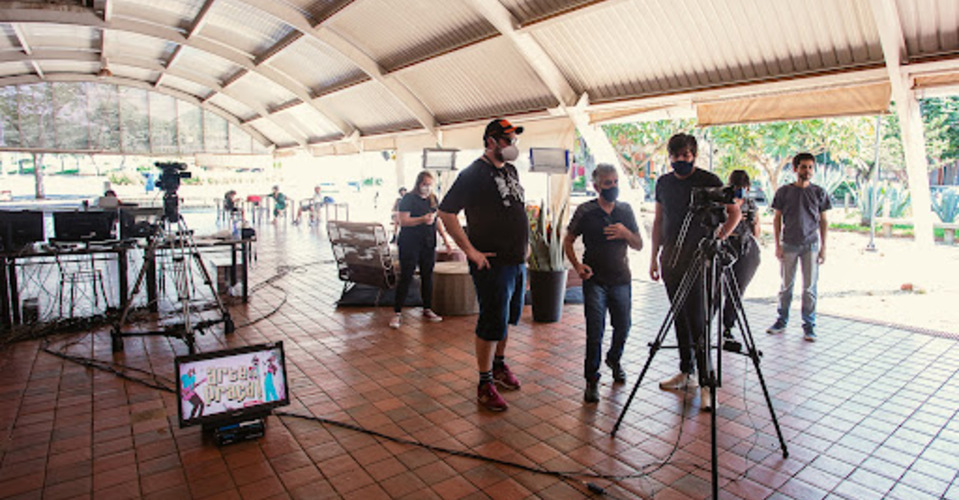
x,y
677,304
750,343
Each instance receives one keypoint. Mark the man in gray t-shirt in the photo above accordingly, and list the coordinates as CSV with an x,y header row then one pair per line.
x,y
799,226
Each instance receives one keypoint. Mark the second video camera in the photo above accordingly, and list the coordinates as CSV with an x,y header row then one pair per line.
x,y
171,174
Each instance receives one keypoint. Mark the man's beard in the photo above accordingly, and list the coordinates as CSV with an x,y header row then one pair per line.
x,y
498,154
805,177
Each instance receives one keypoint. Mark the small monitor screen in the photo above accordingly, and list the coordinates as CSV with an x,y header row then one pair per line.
x,y
93,225
231,385
20,228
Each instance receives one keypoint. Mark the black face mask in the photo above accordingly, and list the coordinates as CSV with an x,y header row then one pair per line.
x,y
682,168
610,194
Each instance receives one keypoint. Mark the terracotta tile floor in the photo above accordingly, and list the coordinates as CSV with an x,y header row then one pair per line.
x,y
867,412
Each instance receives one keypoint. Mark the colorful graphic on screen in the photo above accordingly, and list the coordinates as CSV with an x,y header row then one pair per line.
x,y
231,383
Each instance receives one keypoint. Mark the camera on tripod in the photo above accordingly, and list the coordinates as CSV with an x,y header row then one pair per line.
x,y
173,171
710,203
169,183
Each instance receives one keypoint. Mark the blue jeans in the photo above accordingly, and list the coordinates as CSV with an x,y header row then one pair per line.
x,y
598,298
500,291
808,256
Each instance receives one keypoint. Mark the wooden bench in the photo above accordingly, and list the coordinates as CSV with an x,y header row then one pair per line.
x,y
362,253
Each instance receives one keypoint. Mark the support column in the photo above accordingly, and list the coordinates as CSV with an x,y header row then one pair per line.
x,y
914,147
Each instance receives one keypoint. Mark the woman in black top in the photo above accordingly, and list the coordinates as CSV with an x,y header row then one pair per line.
x,y
417,245
743,243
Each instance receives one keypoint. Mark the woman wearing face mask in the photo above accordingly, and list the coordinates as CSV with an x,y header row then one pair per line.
x,y
417,245
743,243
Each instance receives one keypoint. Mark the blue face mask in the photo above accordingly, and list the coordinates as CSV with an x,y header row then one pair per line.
x,y
610,194
682,168
739,193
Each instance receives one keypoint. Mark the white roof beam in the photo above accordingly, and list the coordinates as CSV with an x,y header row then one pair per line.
x,y
345,48
22,40
84,77
534,54
198,22
886,14
567,12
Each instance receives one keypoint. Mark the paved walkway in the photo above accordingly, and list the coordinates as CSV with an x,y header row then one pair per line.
x,y
869,411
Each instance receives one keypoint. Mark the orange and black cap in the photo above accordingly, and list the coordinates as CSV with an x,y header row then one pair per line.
x,y
500,128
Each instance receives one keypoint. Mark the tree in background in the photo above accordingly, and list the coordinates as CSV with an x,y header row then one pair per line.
x,y
638,144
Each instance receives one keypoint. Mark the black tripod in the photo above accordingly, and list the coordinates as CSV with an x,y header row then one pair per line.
x,y
176,240
713,264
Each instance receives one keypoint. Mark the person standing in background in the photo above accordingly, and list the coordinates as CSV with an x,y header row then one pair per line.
x,y
417,246
799,226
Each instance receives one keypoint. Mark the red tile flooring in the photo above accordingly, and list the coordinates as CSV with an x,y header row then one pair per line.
x,y
867,411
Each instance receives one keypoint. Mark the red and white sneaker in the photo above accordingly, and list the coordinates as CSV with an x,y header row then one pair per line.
x,y
488,397
504,378
429,315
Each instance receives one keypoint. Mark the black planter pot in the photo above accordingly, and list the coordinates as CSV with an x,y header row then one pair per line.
x,y
547,289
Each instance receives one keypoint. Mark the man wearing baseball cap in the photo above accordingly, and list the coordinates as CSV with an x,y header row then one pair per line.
x,y
490,193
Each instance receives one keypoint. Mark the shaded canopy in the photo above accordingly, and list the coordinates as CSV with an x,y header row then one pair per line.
x,y
339,76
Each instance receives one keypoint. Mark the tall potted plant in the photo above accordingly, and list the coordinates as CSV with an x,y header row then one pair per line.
x,y
547,269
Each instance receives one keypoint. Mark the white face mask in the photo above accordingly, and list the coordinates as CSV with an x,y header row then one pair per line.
x,y
510,153
425,190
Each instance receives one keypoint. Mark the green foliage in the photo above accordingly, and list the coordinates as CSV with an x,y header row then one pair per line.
x,y
830,178
896,199
546,228
642,145
869,201
946,205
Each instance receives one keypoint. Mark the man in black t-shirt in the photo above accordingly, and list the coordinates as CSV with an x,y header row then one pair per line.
x,y
608,227
673,191
490,193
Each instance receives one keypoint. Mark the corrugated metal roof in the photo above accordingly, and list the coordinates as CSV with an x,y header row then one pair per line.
x,y
637,48
317,66
371,108
217,68
139,46
233,106
246,28
313,124
261,91
45,36
165,12
930,26
459,86
532,10
397,33
186,86
53,67
15,69
418,64
273,132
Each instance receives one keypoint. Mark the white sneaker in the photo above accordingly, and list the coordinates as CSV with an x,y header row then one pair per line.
x,y
396,321
705,403
679,381
432,316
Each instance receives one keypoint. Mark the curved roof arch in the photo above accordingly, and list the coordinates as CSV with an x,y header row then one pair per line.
x,y
315,72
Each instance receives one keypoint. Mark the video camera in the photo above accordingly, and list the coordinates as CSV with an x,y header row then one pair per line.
x,y
710,203
173,171
169,183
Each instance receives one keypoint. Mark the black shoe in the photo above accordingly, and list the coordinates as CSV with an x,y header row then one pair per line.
x,y
728,333
619,375
592,392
